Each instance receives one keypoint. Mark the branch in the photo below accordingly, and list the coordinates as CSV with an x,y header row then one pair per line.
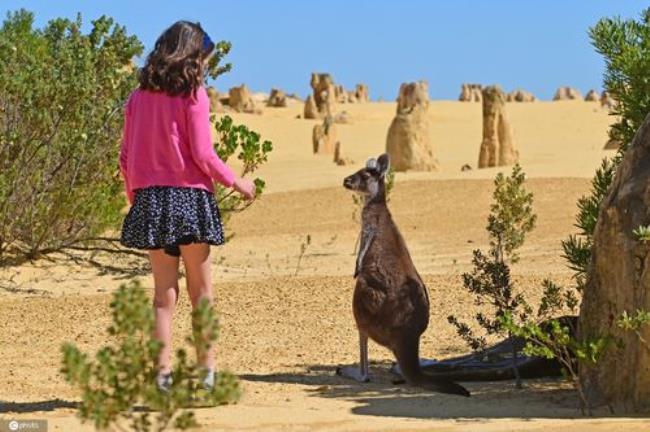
x,y
101,249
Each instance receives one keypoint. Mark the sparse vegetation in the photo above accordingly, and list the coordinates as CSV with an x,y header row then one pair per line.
x,y
625,46
303,248
246,145
62,93
511,219
221,50
642,233
557,337
577,248
119,385
60,128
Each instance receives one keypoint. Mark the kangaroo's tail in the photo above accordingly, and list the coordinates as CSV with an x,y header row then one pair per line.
x,y
407,354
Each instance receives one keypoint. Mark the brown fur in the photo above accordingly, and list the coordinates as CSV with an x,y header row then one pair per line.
x,y
390,304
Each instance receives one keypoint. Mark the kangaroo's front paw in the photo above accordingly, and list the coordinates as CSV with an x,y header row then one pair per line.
x,y
353,372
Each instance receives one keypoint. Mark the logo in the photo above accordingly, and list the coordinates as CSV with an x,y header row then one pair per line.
x,y
23,425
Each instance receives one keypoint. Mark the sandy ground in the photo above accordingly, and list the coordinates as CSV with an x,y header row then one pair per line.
x,y
287,322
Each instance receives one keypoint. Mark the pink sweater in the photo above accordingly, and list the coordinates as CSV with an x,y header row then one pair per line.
x,y
167,142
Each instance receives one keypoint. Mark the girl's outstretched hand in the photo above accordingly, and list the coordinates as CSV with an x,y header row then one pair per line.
x,y
244,187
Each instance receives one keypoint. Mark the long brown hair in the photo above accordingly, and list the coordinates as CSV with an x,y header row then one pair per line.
x,y
175,65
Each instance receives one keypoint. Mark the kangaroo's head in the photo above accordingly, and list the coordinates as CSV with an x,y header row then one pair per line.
x,y
370,181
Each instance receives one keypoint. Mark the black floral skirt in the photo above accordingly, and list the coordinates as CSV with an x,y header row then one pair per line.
x,y
164,217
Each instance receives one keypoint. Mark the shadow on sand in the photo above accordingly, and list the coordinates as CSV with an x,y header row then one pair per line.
x,y
27,407
540,398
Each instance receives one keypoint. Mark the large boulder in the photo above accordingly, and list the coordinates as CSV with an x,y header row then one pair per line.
x,y
338,156
310,111
241,100
592,96
470,93
618,280
362,93
215,102
341,94
409,136
520,95
497,146
277,99
567,93
325,137
359,94
607,101
324,95
413,97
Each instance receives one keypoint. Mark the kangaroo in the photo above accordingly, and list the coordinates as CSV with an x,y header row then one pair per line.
x,y
390,303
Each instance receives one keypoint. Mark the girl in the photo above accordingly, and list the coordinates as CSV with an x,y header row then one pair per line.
x,y
169,165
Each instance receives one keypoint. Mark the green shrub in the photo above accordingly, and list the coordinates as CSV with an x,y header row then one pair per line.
x,y
247,147
61,95
235,141
120,384
61,98
625,46
511,219
550,336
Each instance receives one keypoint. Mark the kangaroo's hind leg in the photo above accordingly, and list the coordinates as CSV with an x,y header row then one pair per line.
x,y
359,373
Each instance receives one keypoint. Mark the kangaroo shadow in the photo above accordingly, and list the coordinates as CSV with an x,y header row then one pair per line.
x,y
540,398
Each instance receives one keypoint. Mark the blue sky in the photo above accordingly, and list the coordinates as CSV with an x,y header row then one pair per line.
x,y
533,44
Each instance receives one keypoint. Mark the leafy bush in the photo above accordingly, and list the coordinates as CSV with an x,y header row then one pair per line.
x,y
553,337
250,151
233,139
123,376
577,248
221,50
511,219
634,322
550,336
61,94
625,45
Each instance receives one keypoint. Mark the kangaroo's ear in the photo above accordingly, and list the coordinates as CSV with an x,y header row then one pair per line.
x,y
383,162
371,164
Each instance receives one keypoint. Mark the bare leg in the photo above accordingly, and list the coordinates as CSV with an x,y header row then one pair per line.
x,y
196,257
361,372
165,276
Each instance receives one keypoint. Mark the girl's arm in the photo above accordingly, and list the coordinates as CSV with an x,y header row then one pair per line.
x,y
201,147
124,153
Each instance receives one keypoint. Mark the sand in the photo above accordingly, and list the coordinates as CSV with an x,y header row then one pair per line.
x,y
287,322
